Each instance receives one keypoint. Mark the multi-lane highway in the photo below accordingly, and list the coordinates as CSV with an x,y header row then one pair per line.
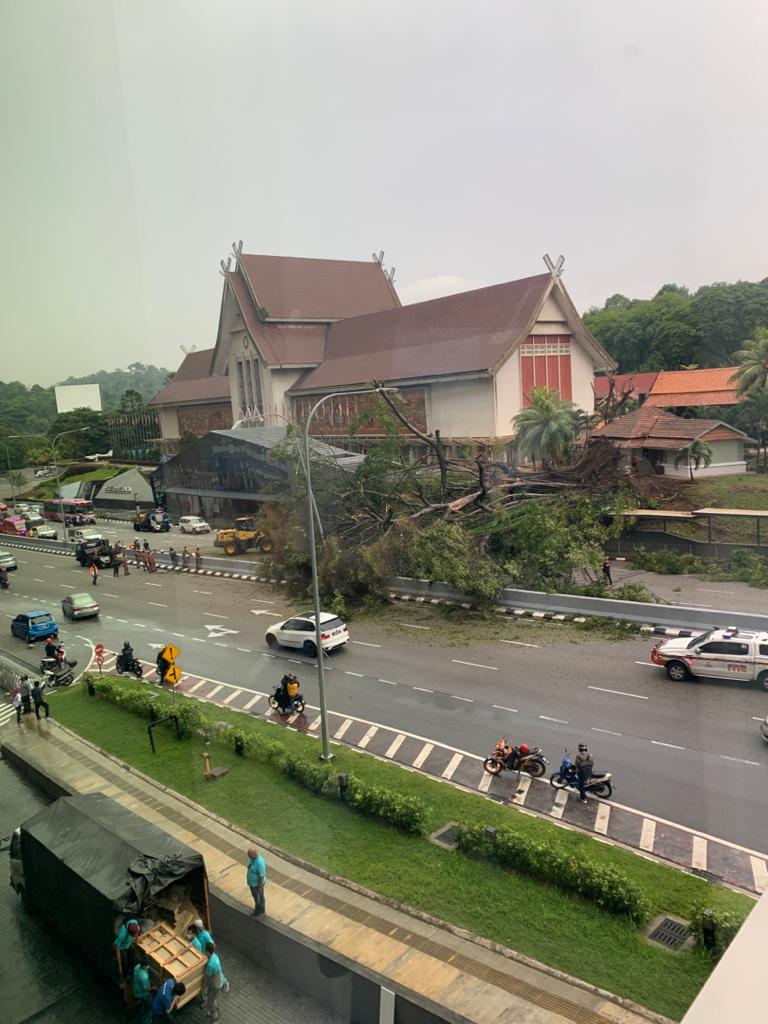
x,y
690,753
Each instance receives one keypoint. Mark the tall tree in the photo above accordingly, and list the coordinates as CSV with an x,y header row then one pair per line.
x,y
92,433
697,453
752,374
546,428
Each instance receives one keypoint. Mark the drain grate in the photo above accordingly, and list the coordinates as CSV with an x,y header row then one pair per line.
x,y
670,933
447,836
708,876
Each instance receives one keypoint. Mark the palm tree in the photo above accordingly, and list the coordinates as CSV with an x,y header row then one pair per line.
x,y
546,427
754,414
752,374
697,453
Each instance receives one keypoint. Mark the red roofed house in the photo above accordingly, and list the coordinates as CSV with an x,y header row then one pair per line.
x,y
638,385
292,330
675,389
659,437
193,401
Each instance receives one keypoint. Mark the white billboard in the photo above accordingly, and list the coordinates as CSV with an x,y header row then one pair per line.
x,y
78,396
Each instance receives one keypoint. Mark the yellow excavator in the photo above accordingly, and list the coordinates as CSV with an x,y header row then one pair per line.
x,y
242,536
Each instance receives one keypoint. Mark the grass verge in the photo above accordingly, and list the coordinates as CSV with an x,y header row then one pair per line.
x,y
538,920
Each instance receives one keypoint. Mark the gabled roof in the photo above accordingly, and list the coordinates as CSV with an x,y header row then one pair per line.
x,y
279,344
638,383
294,288
652,428
468,333
193,382
694,387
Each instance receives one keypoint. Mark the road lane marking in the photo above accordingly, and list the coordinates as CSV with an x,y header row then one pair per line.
x,y
422,755
368,736
36,580
180,635
156,604
348,673
522,790
423,689
140,625
648,664
739,760
66,586
244,650
602,819
621,693
215,615
410,625
315,725
610,732
216,643
389,682
485,782
231,697
759,873
261,600
206,592
673,746
704,590
474,664
467,700
146,584
252,701
519,643
452,765
560,721
342,728
196,686
214,691
48,566
362,643
500,707
648,835
699,853
395,745
561,798
110,595
754,719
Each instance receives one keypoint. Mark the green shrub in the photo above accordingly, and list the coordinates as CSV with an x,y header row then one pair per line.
x,y
190,717
691,563
604,886
714,930
633,592
742,558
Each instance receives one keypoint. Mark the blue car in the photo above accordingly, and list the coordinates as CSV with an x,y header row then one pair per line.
x,y
37,625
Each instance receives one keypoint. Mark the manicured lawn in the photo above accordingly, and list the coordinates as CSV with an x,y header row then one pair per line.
x,y
46,490
534,918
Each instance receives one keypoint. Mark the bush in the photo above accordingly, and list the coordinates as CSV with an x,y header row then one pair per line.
x,y
633,592
714,930
604,886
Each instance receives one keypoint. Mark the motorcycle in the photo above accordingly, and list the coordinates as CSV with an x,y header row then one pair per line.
x,y
285,709
598,783
132,667
533,763
58,671
3,582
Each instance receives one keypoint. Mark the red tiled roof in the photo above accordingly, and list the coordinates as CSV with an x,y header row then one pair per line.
x,y
657,429
694,387
468,332
294,288
192,382
640,383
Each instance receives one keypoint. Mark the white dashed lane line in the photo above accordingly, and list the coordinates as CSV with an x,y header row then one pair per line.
x,y
66,586
105,594
519,643
348,673
389,682
610,732
739,760
206,592
620,693
147,584
423,689
36,580
474,664
362,643
215,615
672,746
140,625
467,700
560,721
500,707
410,625
48,566
156,604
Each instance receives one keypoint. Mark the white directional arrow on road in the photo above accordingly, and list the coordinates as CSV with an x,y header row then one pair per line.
x,y
263,611
217,630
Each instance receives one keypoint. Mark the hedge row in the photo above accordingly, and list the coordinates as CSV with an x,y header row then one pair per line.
x,y
604,886
405,812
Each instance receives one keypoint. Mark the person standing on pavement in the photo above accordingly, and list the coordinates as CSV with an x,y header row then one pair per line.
x,y
16,702
166,998
93,572
124,560
198,559
607,571
185,557
256,878
215,982
115,565
584,764
174,556
142,989
25,690
38,698
146,546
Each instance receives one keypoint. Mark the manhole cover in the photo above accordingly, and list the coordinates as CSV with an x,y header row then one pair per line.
x,y
447,836
708,876
670,933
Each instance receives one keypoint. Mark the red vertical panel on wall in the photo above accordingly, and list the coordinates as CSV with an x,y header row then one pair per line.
x,y
566,389
539,371
553,374
526,376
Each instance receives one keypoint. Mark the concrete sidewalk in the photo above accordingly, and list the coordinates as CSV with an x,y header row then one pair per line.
x,y
443,973
691,592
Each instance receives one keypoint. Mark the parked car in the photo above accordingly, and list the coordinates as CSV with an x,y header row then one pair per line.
x,y
35,625
44,471
193,524
299,631
79,606
7,561
718,654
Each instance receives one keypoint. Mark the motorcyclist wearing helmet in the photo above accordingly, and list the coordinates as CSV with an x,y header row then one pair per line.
x,y
51,649
583,763
289,688
126,656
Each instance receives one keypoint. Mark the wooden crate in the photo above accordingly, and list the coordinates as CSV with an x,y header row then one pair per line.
x,y
172,956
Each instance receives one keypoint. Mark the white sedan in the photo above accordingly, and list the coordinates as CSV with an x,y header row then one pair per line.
x,y
299,631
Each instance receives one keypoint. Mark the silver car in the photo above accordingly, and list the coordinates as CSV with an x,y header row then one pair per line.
x,y
7,561
79,606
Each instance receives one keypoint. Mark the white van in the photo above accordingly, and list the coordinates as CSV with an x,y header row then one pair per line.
x,y
76,534
193,524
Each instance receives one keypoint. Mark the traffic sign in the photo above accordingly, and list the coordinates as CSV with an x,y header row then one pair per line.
x,y
171,653
99,660
99,648
173,675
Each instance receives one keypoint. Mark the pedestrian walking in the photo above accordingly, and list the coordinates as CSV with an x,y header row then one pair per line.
x,y
584,765
185,557
198,559
38,699
93,572
256,878
607,571
174,556
25,689
166,998
146,546
124,560
16,702
215,983
115,567
142,989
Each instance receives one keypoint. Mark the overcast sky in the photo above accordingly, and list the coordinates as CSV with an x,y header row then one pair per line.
x,y
142,137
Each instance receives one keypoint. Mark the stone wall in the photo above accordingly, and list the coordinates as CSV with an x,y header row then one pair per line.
x,y
201,418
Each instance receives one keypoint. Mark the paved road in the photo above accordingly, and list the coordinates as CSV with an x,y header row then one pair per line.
x,y
691,753
691,592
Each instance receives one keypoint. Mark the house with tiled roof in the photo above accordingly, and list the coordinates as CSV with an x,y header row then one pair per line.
x,y
679,389
637,385
293,330
194,401
651,437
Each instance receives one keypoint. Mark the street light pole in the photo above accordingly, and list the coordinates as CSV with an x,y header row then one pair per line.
x,y
10,481
311,512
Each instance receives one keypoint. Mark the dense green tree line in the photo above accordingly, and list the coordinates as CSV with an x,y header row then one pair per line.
x,y
677,328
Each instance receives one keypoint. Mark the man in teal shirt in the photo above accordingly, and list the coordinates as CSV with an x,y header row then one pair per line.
x,y
215,982
200,937
256,879
125,942
142,990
